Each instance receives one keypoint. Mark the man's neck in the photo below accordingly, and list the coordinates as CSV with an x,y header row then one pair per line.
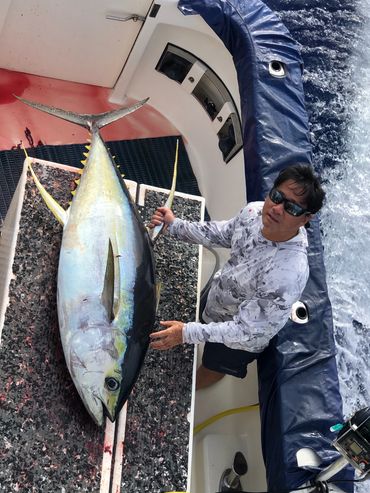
x,y
278,236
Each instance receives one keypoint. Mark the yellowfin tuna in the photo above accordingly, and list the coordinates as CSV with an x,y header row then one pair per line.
x,y
106,276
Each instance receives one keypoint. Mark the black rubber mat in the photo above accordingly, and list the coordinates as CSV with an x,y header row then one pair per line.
x,y
148,161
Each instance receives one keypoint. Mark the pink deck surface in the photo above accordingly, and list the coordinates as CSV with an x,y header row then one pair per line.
x,y
22,124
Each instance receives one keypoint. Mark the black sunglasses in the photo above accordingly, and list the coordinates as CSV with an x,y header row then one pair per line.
x,y
293,209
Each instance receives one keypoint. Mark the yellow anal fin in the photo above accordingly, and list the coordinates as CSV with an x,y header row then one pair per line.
x,y
174,178
155,232
58,211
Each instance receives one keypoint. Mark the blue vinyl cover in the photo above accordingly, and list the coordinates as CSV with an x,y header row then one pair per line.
x,y
298,381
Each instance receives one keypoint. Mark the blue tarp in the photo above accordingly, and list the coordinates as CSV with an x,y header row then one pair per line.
x,y
298,380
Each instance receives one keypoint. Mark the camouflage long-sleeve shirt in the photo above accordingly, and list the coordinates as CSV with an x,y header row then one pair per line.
x,y
251,297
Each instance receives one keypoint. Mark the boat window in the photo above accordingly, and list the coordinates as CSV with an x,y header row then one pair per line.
x,y
174,64
227,139
203,83
210,94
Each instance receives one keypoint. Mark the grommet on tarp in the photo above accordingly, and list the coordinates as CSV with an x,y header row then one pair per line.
x,y
299,313
277,68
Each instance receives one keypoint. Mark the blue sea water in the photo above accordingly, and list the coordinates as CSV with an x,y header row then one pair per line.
x,y
335,44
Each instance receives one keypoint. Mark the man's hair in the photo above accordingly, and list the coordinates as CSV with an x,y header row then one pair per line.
x,y
303,175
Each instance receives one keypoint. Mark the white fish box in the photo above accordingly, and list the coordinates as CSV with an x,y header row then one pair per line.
x,y
50,442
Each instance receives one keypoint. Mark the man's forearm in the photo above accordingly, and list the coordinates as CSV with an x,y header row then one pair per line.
x,y
211,233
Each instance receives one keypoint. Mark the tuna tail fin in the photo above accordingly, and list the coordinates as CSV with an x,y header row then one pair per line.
x,y
157,230
85,120
58,211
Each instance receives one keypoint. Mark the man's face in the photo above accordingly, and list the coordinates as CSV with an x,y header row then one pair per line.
x,y
278,224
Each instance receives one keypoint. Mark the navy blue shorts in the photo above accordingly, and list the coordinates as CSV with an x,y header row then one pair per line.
x,y
218,357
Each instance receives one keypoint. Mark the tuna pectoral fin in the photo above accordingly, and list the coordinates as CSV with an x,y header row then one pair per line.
x,y
110,295
58,211
154,233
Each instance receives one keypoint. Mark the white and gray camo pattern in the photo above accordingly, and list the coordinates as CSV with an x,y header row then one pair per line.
x,y
251,297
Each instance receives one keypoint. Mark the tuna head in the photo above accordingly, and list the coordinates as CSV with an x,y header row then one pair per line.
x,y
96,356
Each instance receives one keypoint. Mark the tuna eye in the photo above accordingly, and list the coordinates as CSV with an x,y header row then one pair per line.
x,y
112,384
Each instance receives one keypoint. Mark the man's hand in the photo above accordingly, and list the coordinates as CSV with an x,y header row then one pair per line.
x,y
167,338
162,215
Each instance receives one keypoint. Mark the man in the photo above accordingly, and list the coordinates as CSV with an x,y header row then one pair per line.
x,y
250,298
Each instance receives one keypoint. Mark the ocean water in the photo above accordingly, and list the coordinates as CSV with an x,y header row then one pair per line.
x,y
335,44
346,226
